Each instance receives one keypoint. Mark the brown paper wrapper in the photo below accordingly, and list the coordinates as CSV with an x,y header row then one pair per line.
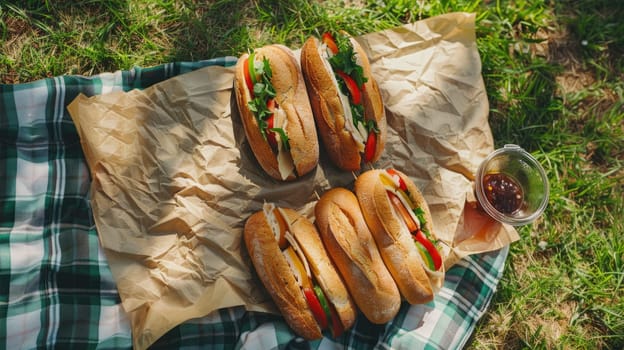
x,y
173,179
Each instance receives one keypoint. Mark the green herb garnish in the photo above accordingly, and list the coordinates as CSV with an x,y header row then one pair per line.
x,y
344,60
263,91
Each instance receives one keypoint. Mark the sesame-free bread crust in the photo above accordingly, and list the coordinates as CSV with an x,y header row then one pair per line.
x,y
354,252
292,97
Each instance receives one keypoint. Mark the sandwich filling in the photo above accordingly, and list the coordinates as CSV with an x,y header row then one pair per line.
x,y
412,219
324,313
270,117
340,58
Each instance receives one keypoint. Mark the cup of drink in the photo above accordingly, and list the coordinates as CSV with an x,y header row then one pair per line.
x,y
511,186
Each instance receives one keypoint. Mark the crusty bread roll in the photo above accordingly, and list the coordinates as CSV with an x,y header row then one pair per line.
x,y
353,250
394,240
330,110
276,274
322,267
294,105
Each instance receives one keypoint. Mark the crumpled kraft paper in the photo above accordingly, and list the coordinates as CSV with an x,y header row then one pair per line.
x,y
173,179
429,73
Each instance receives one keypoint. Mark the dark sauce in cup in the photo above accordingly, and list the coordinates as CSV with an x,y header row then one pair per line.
x,y
503,192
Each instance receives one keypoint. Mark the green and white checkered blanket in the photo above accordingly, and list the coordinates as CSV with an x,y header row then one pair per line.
x,y
57,291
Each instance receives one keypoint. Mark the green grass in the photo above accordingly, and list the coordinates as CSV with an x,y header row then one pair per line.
x,y
555,82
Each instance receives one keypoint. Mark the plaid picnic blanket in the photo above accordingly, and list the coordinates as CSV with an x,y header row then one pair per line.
x,y
57,291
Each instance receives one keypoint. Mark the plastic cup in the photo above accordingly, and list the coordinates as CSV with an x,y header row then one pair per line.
x,y
511,186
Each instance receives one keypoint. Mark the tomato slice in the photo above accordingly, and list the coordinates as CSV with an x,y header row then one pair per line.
x,y
354,91
435,255
328,39
271,104
315,307
323,301
402,185
270,134
369,148
336,325
248,81
398,205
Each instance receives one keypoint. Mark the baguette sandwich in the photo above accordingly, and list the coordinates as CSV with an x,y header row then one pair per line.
x,y
276,113
345,98
293,265
399,219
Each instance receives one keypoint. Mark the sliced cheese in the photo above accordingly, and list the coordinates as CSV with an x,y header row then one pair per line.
x,y
293,243
296,265
392,184
285,163
358,132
